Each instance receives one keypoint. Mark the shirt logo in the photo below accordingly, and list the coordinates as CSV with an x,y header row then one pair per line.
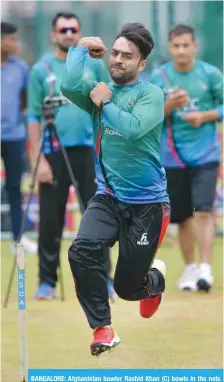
x,y
132,101
112,132
202,85
144,240
87,75
51,78
192,106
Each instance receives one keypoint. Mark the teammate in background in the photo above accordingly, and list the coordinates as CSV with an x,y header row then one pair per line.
x,y
191,150
131,205
14,80
75,132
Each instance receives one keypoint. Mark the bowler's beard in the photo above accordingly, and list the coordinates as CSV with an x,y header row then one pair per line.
x,y
122,78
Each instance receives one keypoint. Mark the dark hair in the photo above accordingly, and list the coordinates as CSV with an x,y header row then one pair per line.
x,y
65,15
179,29
7,28
139,35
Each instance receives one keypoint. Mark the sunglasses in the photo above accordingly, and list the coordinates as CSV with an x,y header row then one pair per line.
x,y
64,30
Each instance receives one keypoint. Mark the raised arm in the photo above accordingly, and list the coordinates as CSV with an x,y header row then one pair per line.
x,y
75,85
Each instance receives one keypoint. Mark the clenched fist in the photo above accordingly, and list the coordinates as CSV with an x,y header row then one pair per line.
x,y
99,93
44,172
195,118
95,46
178,99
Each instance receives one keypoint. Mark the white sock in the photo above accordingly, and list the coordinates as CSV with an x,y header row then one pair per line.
x,y
192,265
205,266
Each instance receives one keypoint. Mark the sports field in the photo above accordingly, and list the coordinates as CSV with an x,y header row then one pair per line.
x,y
186,332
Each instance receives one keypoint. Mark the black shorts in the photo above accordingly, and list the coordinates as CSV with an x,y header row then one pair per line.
x,y
191,189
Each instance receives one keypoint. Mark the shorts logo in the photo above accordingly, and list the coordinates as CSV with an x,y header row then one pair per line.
x,y
143,240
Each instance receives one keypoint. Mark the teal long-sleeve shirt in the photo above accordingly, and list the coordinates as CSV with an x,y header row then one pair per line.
x,y
126,135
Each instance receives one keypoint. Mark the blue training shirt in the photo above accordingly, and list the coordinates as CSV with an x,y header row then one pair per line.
x,y
14,80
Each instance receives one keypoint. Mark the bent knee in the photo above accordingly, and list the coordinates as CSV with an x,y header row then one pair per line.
x,y
84,250
203,215
122,291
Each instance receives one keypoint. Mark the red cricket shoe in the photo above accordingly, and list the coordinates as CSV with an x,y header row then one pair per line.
x,y
150,305
105,338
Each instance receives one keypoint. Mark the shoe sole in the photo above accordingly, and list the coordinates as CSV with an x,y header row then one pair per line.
x,y
203,285
100,347
188,287
42,298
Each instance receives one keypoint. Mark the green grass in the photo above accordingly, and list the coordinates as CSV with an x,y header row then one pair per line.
x,y
185,333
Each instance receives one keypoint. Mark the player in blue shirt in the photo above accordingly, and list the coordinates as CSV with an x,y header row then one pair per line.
x,y
14,79
190,149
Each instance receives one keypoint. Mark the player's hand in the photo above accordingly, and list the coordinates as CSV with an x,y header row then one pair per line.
x,y
195,118
95,46
44,172
100,93
177,99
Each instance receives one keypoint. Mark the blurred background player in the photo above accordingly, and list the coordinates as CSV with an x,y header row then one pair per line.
x,y
191,150
14,81
75,132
